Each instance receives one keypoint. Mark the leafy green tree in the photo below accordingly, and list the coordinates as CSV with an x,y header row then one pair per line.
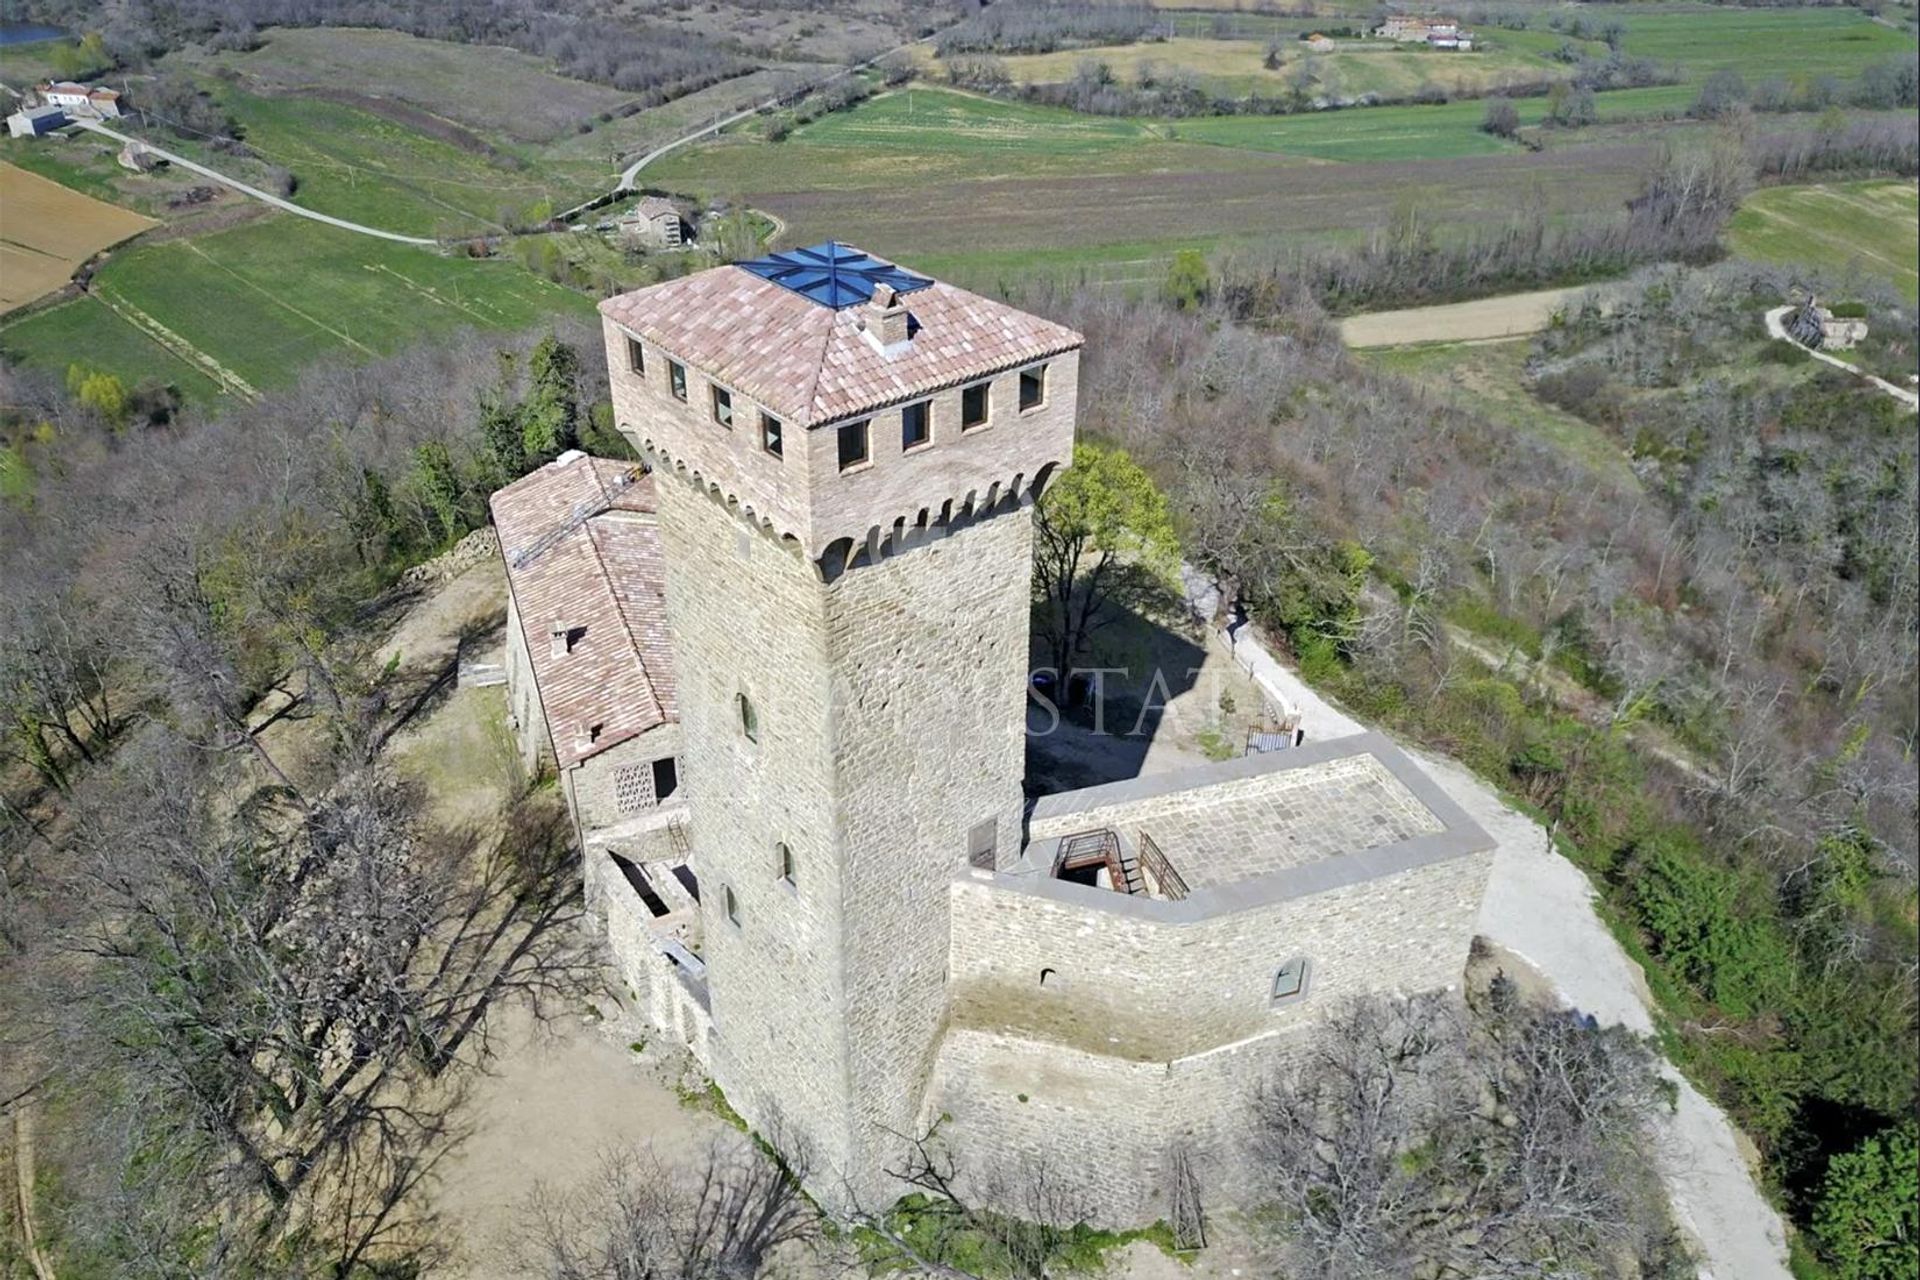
x,y
436,482
550,416
84,57
101,392
1868,1217
1188,283
1105,545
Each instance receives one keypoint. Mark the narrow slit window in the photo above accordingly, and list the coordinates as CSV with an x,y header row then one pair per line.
x,y
916,426
853,445
1033,388
677,379
770,437
749,718
1290,980
784,865
730,904
975,404
723,407
636,357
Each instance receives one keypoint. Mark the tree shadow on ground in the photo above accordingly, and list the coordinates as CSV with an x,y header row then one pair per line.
x,y
1098,724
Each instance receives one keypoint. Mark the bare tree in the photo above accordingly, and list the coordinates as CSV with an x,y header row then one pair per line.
x,y
726,1217
278,994
1414,1139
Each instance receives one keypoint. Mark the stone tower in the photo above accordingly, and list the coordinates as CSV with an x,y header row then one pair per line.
x,y
846,457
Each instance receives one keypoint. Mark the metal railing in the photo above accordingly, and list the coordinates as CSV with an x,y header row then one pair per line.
x,y
1159,870
1083,848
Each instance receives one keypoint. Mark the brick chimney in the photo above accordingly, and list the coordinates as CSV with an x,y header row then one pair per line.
x,y
887,320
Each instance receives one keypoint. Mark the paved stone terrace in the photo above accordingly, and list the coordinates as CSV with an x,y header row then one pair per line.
x,y
1242,828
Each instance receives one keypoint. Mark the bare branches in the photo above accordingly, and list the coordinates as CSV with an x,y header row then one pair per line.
x,y
725,1217
1414,1139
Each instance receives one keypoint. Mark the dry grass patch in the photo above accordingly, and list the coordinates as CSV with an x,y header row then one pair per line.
x,y
47,230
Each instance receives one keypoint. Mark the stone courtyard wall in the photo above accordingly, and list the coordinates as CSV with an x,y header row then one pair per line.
x,y
1125,985
1146,1034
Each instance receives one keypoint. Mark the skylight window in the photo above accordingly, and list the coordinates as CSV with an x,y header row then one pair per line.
x,y
833,274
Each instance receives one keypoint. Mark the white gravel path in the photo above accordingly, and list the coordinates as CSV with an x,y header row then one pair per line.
x,y
265,197
1541,907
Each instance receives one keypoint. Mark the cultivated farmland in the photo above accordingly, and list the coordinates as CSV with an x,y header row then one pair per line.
x,y
498,92
232,304
1236,67
972,187
1872,228
47,230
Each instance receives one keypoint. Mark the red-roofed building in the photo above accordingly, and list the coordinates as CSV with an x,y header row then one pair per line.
x,y
81,100
589,671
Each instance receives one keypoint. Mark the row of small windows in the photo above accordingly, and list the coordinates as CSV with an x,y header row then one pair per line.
x,y
855,438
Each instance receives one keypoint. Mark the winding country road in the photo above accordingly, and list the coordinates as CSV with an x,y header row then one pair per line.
x,y
277,202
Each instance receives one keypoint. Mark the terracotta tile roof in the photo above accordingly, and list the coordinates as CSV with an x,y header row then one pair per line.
x,y
582,550
811,364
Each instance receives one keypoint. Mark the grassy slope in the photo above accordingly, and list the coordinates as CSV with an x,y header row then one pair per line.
x,y
1492,376
84,331
360,166
233,296
1872,227
1354,67
1758,43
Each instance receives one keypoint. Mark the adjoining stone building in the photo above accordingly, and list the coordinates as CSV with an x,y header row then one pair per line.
x,y
868,930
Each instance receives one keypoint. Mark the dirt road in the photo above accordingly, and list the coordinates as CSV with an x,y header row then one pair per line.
x,y
1510,315
245,190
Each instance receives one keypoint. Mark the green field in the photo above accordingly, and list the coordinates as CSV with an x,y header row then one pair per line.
x,y
265,299
1793,44
1872,228
357,165
86,332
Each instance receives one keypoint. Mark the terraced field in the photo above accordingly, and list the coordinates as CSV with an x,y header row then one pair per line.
x,y
48,231
1871,229
364,167
248,308
1354,67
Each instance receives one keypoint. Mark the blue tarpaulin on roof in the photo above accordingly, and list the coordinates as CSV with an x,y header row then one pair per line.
x,y
833,274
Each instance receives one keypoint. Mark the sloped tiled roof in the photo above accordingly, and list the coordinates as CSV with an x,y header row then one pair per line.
x,y
582,549
810,363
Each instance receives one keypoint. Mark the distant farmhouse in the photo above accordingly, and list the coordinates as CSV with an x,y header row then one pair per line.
x,y
1816,327
655,224
1438,33
35,122
81,101
784,677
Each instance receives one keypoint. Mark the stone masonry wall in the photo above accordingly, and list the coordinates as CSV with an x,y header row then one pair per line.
x,y
774,488
1155,991
803,493
1105,1127
593,785
898,485
1147,1034
747,617
523,700
930,652
650,976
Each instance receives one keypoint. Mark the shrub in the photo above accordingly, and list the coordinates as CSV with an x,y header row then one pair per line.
x,y
1867,1221
1502,119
